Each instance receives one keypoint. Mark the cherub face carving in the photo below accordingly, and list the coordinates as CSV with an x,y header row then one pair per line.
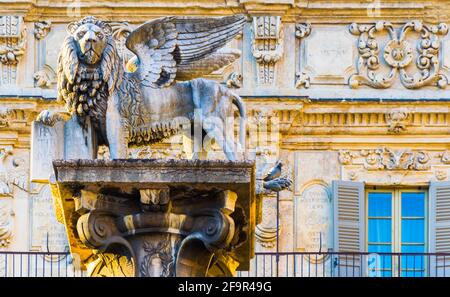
x,y
91,41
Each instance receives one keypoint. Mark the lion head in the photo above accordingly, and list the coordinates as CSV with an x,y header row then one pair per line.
x,y
89,68
91,36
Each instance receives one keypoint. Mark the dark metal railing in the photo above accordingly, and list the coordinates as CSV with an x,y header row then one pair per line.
x,y
334,264
290,264
38,264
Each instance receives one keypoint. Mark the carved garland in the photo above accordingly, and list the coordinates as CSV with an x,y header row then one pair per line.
x,y
398,54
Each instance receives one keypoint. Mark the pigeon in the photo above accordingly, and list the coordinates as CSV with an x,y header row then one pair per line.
x,y
275,172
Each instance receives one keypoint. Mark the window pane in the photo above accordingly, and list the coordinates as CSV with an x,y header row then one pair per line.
x,y
380,230
415,273
418,248
382,261
387,273
413,230
413,204
413,263
380,248
380,204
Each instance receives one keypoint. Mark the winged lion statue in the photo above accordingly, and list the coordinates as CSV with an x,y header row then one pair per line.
x,y
164,92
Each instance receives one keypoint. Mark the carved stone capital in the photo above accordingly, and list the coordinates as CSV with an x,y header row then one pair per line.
x,y
131,230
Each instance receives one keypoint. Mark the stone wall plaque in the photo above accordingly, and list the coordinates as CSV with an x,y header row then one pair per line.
x,y
47,143
313,211
328,55
47,234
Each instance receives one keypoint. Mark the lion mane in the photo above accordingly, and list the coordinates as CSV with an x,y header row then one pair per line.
x,y
85,88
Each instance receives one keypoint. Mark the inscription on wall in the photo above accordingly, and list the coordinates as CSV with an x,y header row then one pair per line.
x,y
46,145
314,219
47,232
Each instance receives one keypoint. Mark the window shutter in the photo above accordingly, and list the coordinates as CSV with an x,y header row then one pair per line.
x,y
349,227
439,228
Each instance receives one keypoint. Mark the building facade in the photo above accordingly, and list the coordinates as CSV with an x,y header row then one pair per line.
x,y
352,96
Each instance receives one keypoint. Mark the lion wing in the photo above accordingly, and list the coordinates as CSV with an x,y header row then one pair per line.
x,y
183,48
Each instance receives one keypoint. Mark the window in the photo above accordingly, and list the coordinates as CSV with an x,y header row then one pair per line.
x,y
396,223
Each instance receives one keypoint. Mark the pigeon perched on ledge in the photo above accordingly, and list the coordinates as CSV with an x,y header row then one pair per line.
x,y
273,182
275,172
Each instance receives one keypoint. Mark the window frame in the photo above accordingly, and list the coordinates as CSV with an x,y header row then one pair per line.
x,y
396,217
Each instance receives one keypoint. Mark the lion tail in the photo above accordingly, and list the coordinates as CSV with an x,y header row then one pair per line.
x,y
237,101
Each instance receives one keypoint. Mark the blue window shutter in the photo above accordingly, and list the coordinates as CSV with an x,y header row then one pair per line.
x,y
439,227
349,227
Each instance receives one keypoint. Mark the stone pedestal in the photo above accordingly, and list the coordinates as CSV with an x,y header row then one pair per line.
x,y
156,217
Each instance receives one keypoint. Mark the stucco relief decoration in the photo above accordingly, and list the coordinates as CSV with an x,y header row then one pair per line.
x,y
5,114
12,39
398,55
441,174
445,157
6,213
397,120
267,46
44,78
385,158
346,157
41,29
302,30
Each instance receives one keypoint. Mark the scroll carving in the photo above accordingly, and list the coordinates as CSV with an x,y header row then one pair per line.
x,y
388,159
399,55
